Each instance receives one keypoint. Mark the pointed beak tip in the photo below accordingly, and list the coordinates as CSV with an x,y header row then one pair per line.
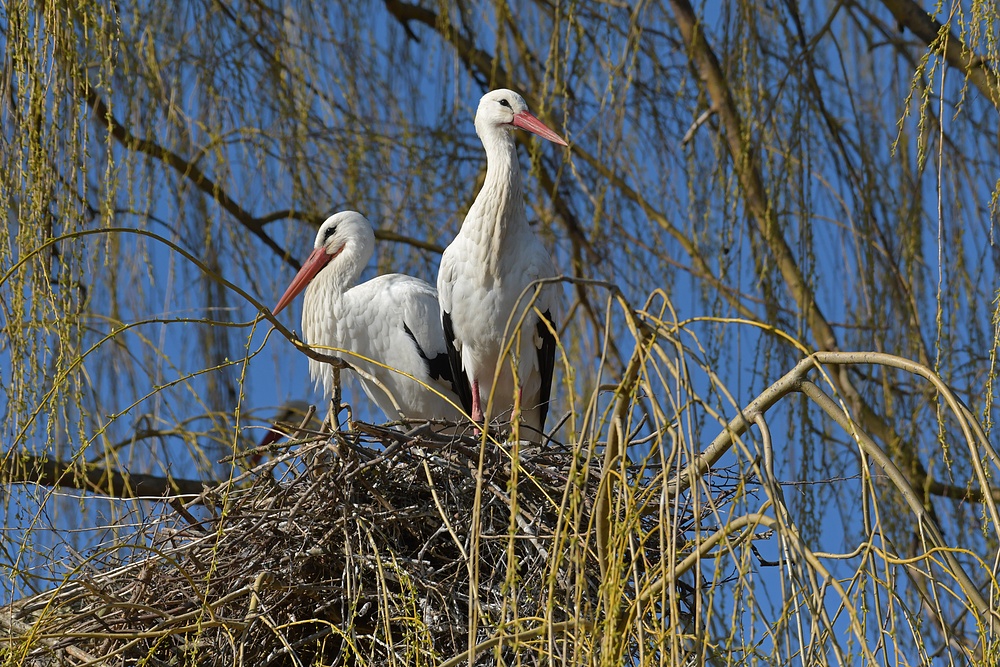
x,y
526,121
286,298
313,265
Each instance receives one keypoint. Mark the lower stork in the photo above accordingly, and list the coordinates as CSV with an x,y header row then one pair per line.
x,y
388,328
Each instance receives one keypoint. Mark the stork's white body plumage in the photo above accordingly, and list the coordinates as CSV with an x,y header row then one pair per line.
x,y
486,269
390,321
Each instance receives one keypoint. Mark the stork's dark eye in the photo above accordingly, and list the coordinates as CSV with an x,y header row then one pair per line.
x,y
330,231
505,103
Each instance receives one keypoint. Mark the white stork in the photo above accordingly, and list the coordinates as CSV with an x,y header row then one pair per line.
x,y
485,269
392,320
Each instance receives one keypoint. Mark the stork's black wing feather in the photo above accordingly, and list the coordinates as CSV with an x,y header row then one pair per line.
x,y
438,366
546,363
459,380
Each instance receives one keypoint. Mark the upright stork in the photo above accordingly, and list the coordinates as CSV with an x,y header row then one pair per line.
x,y
483,272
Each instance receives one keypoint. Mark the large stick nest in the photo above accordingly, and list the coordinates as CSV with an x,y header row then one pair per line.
x,y
355,548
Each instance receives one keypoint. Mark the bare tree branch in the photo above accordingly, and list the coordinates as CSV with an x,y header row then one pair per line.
x,y
255,224
748,172
480,61
30,469
389,235
380,234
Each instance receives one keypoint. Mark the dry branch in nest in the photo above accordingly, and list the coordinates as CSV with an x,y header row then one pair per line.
x,y
360,552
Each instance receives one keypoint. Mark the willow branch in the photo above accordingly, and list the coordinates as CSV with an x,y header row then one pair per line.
x,y
747,169
793,380
190,171
940,38
380,234
926,524
388,235
614,451
739,424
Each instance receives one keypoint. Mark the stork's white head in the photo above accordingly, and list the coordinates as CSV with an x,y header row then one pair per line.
x,y
504,109
346,237
344,229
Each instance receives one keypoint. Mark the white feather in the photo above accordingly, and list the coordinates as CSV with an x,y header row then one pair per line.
x,y
367,325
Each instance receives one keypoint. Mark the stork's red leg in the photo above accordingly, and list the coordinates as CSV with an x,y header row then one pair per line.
x,y
477,407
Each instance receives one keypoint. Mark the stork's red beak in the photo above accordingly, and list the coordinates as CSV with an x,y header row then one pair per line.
x,y
317,260
526,121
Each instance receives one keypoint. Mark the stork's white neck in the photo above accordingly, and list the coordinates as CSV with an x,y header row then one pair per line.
x,y
323,295
498,212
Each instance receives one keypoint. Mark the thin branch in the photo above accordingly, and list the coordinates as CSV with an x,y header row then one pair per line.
x,y
793,380
478,59
739,424
745,164
316,220
699,121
